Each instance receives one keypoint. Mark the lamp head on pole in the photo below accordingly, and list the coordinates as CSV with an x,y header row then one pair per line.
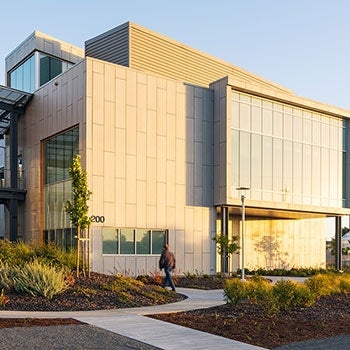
x,y
243,189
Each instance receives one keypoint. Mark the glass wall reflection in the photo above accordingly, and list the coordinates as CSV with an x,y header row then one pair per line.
x,y
286,153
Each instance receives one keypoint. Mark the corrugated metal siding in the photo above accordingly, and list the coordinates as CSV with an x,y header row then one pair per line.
x,y
154,53
112,46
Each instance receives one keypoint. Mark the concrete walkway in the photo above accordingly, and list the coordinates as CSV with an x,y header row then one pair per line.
x,y
133,324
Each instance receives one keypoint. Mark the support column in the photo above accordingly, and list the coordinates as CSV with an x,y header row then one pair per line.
x,y
13,219
224,231
338,239
14,176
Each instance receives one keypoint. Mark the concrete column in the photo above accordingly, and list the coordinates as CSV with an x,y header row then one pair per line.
x,y
224,231
338,239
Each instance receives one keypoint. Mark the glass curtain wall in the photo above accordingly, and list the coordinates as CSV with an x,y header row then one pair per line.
x,y
25,77
286,153
58,153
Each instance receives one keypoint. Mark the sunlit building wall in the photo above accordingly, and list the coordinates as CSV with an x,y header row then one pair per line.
x,y
166,140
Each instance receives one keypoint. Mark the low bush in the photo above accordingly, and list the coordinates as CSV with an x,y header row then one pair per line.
x,y
52,254
344,283
322,285
272,298
40,280
260,291
290,294
15,253
20,254
285,294
6,275
235,291
303,296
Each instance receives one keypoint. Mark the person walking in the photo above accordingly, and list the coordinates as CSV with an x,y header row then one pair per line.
x,y
167,262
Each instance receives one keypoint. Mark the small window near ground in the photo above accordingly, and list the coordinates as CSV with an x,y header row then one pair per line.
x,y
133,241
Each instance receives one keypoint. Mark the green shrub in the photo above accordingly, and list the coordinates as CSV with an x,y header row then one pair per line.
x,y
344,283
40,280
257,287
290,294
52,254
259,291
303,296
284,291
268,303
123,283
235,291
322,284
15,253
6,276
20,253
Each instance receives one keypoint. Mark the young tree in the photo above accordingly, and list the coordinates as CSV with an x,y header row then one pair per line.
x,y
77,208
226,247
332,244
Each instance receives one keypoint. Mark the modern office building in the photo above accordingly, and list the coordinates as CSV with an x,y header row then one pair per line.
x,y
167,135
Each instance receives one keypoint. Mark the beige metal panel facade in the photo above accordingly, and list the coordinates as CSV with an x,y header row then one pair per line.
x,y
142,49
57,106
44,43
150,51
140,128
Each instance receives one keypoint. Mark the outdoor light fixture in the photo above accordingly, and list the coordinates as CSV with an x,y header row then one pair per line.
x,y
242,190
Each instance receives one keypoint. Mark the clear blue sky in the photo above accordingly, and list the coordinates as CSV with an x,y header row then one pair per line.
x,y
303,45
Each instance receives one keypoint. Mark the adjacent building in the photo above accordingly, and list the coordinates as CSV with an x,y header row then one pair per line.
x,y
168,135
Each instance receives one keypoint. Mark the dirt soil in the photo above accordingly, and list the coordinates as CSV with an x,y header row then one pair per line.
x,y
330,316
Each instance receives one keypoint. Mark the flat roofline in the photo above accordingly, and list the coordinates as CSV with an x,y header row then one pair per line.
x,y
37,33
290,99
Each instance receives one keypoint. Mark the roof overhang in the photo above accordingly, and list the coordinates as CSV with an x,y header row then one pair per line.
x,y
11,101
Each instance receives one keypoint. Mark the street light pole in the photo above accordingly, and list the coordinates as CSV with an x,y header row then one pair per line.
x,y
242,189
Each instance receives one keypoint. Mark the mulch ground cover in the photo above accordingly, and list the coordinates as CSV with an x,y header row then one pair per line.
x,y
246,322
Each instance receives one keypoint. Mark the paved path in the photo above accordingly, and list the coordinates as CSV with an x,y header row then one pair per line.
x,y
132,323
130,329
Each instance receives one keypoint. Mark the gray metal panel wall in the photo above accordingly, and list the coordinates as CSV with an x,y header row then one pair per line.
x,y
112,46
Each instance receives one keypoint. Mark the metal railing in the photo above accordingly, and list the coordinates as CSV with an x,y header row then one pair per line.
x,y
5,179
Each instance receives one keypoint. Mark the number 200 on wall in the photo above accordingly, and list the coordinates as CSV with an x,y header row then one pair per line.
x,y
97,218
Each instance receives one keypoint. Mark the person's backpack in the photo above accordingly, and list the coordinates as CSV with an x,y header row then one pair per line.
x,y
174,261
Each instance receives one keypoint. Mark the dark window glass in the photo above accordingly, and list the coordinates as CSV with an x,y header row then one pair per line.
x,y
109,241
127,241
50,67
58,155
159,238
143,242
123,241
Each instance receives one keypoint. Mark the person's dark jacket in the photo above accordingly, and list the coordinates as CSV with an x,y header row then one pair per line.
x,y
167,260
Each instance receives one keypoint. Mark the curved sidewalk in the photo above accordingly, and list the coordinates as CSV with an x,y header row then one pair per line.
x,y
132,323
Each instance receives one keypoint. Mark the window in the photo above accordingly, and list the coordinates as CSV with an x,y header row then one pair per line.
x,y
23,77
287,154
50,67
133,241
58,153
26,77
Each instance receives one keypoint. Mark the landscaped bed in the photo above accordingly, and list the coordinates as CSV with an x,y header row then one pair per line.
x,y
246,322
